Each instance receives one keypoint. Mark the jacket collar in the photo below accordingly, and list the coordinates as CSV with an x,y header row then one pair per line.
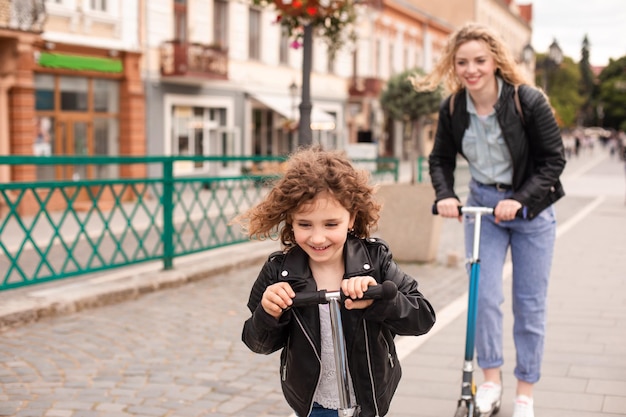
x,y
357,261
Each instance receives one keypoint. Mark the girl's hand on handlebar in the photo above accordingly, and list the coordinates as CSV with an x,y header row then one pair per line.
x,y
276,298
449,207
354,288
506,210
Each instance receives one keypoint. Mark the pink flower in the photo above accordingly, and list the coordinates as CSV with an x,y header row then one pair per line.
x,y
295,44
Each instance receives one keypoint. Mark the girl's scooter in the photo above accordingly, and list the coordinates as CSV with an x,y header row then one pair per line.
x,y
386,291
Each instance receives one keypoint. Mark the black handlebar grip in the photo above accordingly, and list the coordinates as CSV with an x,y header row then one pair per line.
x,y
309,298
385,291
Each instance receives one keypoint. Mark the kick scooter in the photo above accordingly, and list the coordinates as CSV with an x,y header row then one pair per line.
x,y
385,291
467,405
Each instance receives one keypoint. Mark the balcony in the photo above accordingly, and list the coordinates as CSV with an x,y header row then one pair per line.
x,y
365,87
193,60
22,15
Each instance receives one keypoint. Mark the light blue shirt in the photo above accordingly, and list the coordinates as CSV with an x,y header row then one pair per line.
x,y
483,145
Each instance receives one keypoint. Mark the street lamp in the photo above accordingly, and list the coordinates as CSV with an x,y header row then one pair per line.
x,y
293,93
528,52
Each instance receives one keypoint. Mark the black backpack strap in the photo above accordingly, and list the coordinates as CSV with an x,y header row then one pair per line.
x,y
452,97
518,104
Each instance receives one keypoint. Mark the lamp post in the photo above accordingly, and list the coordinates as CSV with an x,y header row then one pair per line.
x,y
305,135
551,62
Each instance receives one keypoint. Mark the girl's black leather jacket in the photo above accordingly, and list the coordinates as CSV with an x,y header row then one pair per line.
x,y
369,333
534,142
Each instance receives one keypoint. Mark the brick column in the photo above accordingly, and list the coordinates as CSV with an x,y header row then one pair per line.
x,y
23,128
132,115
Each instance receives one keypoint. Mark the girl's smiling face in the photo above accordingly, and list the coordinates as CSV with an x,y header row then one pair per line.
x,y
474,66
320,228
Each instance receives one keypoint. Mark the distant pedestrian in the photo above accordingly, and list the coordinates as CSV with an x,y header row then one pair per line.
x,y
323,210
515,161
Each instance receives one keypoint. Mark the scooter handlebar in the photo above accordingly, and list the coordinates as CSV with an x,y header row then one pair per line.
x,y
521,213
385,291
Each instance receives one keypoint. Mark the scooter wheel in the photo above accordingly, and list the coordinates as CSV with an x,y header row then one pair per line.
x,y
464,410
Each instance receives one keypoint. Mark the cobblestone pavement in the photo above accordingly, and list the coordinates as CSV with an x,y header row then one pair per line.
x,y
171,353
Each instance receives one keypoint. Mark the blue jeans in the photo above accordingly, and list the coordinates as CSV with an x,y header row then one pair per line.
x,y
531,244
319,411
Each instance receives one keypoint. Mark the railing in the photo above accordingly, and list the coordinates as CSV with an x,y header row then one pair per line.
x,y
23,15
111,223
194,59
462,175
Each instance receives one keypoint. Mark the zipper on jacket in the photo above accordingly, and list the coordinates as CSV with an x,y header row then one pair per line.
x,y
284,370
389,355
369,367
319,359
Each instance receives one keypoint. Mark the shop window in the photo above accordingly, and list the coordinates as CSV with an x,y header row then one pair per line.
x,y
76,116
74,92
105,96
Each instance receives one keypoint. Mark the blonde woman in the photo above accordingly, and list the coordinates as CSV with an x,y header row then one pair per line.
x,y
515,161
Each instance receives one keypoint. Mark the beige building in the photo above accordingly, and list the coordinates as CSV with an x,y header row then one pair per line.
x,y
512,20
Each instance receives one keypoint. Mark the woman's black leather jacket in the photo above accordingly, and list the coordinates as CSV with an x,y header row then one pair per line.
x,y
534,142
369,333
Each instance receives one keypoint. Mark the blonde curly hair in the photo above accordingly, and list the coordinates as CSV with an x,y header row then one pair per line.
x,y
444,70
310,172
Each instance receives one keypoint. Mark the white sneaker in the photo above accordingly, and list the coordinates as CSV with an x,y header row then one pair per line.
x,y
523,407
488,397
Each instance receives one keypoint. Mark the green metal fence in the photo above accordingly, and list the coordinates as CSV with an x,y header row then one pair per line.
x,y
110,223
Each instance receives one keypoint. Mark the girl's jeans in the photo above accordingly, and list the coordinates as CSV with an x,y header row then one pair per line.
x,y
531,243
319,411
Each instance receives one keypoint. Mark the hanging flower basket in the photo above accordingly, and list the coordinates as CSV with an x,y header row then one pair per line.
x,y
331,19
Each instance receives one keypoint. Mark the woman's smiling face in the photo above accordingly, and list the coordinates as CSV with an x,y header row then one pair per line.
x,y
321,228
474,65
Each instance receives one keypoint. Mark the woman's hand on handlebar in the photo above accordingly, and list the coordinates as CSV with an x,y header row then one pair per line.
x,y
354,288
449,207
506,210
276,298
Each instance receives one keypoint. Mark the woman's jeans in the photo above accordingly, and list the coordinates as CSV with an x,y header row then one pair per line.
x,y
531,243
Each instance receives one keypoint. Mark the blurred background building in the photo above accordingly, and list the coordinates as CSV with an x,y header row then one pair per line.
x,y
209,77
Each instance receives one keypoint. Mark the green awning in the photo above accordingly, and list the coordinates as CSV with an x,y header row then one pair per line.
x,y
80,63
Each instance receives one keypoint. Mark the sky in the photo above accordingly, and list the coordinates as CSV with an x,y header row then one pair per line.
x,y
568,21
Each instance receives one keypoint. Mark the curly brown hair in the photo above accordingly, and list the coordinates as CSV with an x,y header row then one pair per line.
x,y
310,172
444,69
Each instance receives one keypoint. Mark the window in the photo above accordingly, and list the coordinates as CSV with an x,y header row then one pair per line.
x,y
180,20
100,5
283,52
220,23
74,92
254,34
76,116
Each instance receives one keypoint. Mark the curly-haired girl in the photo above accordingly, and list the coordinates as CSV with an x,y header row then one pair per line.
x,y
323,210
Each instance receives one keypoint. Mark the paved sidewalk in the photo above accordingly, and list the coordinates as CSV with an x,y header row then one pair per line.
x,y
584,368
584,371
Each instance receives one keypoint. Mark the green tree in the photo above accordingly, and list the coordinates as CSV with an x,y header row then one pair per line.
x,y
561,84
611,98
587,83
402,102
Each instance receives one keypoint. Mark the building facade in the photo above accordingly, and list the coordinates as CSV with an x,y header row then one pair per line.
x,y
208,77
75,85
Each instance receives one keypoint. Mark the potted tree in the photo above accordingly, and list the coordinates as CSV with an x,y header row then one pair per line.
x,y
406,221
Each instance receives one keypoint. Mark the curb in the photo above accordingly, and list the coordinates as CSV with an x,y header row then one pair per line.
x,y
27,305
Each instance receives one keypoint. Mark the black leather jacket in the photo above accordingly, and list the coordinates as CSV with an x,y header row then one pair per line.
x,y
369,333
535,145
